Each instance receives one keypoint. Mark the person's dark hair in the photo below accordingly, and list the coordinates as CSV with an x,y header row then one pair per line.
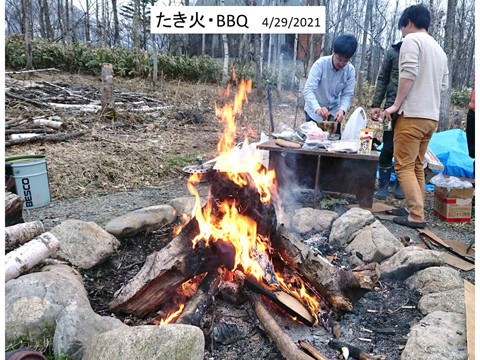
x,y
417,14
345,45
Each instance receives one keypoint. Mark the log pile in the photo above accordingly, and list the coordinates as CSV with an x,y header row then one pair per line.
x,y
177,263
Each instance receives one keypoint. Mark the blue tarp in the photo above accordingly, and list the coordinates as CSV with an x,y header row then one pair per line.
x,y
450,147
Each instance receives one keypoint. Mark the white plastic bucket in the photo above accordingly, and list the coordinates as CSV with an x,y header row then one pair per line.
x,y
31,179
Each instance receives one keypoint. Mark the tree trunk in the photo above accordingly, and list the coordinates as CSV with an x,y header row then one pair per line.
x,y
19,234
27,256
258,63
48,23
203,44
87,22
360,72
449,50
27,8
98,27
280,74
294,61
155,59
67,20
226,57
43,30
73,24
341,288
136,37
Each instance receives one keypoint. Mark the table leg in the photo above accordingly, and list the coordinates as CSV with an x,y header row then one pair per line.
x,y
317,178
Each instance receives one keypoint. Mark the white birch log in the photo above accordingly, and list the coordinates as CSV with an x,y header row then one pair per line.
x,y
79,107
50,123
30,254
19,234
23,136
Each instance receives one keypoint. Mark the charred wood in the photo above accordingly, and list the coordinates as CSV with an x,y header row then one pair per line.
x,y
341,288
311,350
198,305
167,269
286,346
354,351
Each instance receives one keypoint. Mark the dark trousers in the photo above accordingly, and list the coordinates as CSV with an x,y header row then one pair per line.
x,y
471,133
386,155
308,118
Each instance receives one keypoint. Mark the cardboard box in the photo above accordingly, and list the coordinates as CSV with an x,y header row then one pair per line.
x,y
454,205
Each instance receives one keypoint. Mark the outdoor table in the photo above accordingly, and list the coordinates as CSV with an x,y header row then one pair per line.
x,y
323,170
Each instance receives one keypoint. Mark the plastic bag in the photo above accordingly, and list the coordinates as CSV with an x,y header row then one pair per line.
x,y
312,131
451,182
355,124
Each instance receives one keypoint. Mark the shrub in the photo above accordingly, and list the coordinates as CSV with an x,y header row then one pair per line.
x,y
461,98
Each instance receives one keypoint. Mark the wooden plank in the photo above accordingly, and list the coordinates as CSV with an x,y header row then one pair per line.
x,y
458,263
470,313
377,207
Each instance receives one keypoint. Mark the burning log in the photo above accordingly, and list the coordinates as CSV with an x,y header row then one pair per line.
x,y
198,305
21,233
167,269
286,346
285,301
341,288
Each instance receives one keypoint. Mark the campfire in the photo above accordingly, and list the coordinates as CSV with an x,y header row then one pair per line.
x,y
235,241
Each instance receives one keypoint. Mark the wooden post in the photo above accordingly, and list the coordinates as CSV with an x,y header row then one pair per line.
x,y
108,107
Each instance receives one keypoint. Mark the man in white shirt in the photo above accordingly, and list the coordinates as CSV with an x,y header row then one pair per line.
x,y
423,76
331,83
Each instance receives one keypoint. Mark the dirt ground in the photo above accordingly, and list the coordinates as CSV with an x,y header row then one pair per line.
x,y
136,161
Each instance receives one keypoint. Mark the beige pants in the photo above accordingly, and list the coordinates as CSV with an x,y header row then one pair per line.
x,y
411,139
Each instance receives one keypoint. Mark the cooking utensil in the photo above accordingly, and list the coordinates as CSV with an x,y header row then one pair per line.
x,y
204,171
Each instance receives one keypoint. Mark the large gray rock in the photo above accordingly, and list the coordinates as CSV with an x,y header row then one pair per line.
x,y
150,342
348,224
77,327
375,243
184,205
435,279
449,301
439,335
84,244
35,300
307,219
147,219
408,261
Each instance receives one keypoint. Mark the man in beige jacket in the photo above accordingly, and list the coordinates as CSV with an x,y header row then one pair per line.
x,y
423,75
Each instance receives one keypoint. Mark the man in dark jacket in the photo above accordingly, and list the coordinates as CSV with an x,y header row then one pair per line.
x,y
386,88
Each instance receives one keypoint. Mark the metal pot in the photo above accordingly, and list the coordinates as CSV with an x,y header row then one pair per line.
x,y
205,171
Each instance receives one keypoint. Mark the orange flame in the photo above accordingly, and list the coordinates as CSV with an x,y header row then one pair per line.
x,y
242,167
172,316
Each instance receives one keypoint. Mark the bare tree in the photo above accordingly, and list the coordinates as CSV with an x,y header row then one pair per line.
x,y
360,72
116,27
27,13
449,49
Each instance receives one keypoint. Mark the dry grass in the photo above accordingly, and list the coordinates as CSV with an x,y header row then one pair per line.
x,y
140,149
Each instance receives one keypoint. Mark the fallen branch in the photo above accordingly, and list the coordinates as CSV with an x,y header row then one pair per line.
x,y
29,71
79,107
50,123
286,346
339,287
45,138
21,233
27,256
354,351
35,103
311,350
